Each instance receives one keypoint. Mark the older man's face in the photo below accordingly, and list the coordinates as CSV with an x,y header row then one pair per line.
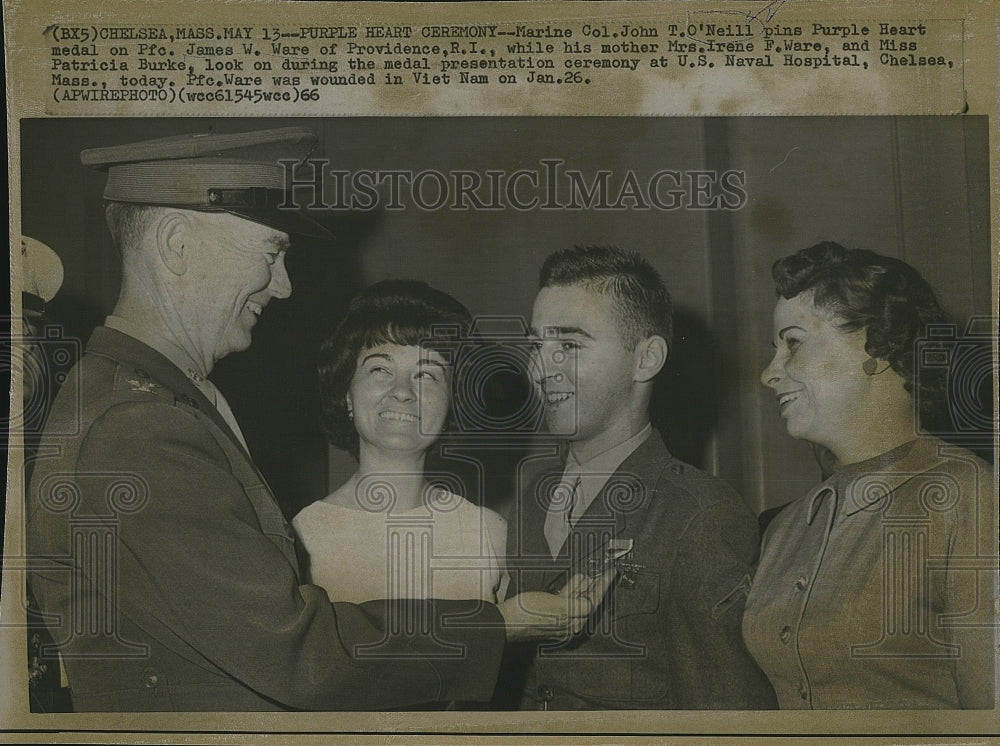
x,y
237,267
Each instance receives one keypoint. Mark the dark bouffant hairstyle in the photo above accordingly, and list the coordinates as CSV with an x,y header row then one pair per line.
x,y
641,301
403,312
884,296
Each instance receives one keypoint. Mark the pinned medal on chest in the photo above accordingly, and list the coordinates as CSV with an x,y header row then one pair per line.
x,y
615,554
143,383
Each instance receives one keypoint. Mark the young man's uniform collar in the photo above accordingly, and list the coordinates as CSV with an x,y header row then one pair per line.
x,y
583,482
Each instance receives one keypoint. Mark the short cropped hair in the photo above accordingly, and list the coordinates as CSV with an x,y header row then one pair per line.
x,y
884,296
127,222
642,305
402,312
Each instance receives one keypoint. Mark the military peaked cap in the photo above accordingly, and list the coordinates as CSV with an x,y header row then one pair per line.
x,y
240,173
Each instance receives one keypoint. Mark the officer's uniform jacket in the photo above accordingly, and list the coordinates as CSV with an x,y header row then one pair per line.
x,y
668,634
170,577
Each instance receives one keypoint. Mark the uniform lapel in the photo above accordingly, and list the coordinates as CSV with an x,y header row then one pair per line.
x,y
626,491
138,356
148,363
133,353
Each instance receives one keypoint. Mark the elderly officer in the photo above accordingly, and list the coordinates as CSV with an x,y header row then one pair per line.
x,y
161,557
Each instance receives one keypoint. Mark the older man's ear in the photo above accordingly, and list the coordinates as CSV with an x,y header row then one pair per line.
x,y
173,231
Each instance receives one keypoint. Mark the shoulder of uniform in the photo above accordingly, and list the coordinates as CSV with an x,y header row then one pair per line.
x,y
135,383
701,486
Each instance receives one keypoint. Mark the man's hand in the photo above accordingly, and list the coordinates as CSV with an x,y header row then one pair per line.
x,y
555,616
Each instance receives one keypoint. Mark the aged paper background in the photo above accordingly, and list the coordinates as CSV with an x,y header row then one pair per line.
x,y
964,35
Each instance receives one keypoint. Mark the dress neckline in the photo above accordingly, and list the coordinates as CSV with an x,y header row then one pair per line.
x,y
448,502
843,474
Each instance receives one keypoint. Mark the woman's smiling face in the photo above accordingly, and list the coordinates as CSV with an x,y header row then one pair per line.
x,y
399,396
823,393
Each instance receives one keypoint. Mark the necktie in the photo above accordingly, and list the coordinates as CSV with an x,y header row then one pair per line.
x,y
560,513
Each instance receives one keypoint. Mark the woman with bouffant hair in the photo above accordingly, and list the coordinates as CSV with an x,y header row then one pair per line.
x,y
386,377
876,589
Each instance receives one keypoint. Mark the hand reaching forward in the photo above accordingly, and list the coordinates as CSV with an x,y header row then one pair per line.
x,y
554,616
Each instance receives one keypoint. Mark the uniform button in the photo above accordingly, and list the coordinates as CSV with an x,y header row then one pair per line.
x,y
786,634
141,373
801,584
803,690
545,693
151,679
189,401
677,469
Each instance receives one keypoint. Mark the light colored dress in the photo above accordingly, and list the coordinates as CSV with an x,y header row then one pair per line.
x,y
448,549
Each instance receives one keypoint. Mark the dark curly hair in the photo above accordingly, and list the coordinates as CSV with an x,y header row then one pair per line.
x,y
402,312
884,296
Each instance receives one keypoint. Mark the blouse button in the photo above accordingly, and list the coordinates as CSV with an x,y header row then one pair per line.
x,y
801,584
786,634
